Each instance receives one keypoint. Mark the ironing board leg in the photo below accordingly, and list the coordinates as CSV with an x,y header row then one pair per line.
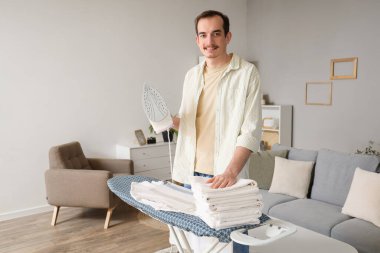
x,y
176,239
221,246
184,239
211,248
216,247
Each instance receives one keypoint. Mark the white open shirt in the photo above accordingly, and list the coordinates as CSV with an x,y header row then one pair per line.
x,y
237,122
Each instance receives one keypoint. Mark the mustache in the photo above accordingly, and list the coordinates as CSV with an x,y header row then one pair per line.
x,y
212,46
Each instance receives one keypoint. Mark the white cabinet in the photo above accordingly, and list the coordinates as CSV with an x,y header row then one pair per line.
x,y
277,125
149,160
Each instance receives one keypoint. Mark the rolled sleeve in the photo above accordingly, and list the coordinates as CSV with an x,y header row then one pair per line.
x,y
250,131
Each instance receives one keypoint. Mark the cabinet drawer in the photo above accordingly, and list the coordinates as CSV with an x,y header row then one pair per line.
x,y
150,164
162,174
150,152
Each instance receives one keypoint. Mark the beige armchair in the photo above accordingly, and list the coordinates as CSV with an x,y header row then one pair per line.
x,y
76,181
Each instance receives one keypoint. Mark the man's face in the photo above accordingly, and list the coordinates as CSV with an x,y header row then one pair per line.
x,y
211,39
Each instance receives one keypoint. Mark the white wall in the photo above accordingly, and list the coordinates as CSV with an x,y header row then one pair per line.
x,y
293,42
73,70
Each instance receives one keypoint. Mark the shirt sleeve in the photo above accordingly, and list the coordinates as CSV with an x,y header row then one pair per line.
x,y
250,131
180,112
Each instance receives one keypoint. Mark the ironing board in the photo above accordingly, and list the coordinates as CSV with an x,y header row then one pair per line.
x,y
121,186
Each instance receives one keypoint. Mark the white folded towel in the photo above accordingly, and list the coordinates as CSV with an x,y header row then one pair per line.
x,y
236,200
228,207
233,192
221,224
163,196
199,184
236,214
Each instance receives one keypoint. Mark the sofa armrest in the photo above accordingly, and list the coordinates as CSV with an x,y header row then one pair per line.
x,y
81,188
122,166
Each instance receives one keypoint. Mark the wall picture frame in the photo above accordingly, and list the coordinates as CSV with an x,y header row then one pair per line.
x,y
318,93
140,137
344,68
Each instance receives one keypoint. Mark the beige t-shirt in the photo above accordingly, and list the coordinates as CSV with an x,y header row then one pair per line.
x,y
205,121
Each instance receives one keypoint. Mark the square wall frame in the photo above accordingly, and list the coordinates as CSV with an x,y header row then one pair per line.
x,y
351,74
318,93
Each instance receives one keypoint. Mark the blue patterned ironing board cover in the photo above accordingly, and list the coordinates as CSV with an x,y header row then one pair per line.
x,y
121,186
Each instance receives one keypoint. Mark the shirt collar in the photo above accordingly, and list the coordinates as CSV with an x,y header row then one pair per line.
x,y
234,63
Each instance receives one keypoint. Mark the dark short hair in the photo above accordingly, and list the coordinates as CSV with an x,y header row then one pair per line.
x,y
211,13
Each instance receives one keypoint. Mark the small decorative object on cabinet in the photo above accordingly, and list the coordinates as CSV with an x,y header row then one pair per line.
x,y
151,140
140,137
277,125
150,160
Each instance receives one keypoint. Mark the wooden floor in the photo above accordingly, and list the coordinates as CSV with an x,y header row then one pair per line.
x,y
81,230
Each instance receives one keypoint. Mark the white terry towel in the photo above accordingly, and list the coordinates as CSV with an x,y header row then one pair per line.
x,y
218,208
233,192
163,197
231,206
198,184
236,214
236,200
221,224
230,219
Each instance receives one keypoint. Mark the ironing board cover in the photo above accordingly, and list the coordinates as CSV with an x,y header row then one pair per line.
x,y
121,186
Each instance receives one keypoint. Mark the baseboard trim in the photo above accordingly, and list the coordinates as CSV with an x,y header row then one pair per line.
x,y
25,212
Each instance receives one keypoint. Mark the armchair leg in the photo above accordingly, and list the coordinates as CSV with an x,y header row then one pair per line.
x,y
108,218
55,215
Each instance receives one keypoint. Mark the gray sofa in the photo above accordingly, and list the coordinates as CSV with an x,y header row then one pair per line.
x,y
321,210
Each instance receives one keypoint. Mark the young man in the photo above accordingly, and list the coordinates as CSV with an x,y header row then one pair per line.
x,y
219,120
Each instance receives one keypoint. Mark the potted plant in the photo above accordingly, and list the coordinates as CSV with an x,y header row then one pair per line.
x,y
369,150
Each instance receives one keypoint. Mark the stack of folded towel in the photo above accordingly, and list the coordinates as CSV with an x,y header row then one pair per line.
x,y
164,196
232,206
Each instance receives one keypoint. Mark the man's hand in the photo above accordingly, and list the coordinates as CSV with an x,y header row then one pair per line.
x,y
223,180
176,122
229,177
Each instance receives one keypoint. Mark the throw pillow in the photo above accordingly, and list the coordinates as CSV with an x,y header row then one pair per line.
x,y
291,177
363,199
261,167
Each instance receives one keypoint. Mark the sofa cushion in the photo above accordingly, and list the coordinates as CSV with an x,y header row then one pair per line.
x,y
334,172
291,177
297,154
272,199
261,167
362,235
363,199
312,214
